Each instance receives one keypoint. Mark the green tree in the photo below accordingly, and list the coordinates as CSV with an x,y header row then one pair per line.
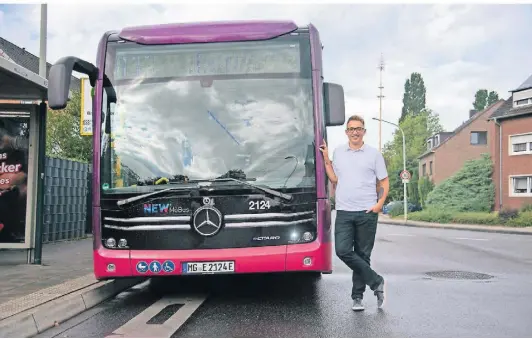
x,y
493,97
425,186
412,186
414,97
417,129
63,139
471,189
484,99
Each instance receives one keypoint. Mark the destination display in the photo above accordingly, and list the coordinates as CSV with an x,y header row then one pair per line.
x,y
180,61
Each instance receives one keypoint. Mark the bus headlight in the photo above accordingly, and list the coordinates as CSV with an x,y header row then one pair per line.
x,y
111,242
307,236
122,243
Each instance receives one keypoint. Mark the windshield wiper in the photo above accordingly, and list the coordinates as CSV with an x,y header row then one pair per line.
x,y
264,189
142,196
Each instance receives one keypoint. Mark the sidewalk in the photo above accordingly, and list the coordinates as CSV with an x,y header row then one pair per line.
x,y
35,297
61,262
385,219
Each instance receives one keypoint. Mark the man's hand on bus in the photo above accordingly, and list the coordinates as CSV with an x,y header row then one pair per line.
x,y
324,150
328,164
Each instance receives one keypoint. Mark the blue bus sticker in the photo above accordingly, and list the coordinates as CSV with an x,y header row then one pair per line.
x,y
155,267
142,267
168,266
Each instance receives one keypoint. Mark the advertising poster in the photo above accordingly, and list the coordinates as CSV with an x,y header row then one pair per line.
x,y
14,142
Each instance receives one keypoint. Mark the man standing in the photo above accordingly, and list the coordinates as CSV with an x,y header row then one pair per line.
x,y
355,169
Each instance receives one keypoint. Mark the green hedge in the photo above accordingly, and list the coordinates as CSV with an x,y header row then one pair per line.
x,y
522,219
470,189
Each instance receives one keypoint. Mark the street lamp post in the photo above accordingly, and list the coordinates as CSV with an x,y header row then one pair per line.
x,y
404,166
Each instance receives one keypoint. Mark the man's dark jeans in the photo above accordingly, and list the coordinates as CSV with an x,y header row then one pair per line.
x,y
354,237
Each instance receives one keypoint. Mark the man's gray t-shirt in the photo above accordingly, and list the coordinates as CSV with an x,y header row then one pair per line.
x,y
357,172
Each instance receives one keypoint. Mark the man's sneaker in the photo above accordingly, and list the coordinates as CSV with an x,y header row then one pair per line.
x,y
357,305
379,292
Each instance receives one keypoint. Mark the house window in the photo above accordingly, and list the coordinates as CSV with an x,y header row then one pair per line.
x,y
424,169
430,168
520,144
436,140
521,185
522,102
429,144
479,138
521,147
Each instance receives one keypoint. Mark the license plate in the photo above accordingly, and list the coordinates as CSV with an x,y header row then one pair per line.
x,y
208,267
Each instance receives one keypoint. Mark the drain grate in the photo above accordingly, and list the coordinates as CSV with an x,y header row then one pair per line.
x,y
459,275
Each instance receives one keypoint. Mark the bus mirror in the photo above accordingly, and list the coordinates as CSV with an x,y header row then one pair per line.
x,y
334,104
60,76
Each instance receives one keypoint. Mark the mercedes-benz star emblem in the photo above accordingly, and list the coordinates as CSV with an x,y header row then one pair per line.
x,y
207,220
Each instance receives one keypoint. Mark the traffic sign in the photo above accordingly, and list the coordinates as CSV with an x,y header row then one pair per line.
x,y
405,175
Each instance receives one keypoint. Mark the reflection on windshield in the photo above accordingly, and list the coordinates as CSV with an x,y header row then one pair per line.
x,y
263,127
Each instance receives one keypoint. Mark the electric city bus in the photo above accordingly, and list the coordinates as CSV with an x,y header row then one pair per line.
x,y
206,148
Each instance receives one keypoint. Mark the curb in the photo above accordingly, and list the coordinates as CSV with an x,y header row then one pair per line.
x,y
33,321
475,228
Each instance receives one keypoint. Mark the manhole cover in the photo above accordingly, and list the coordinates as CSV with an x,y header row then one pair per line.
x,y
464,275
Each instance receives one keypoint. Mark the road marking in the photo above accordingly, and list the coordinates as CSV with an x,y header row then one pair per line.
x,y
139,327
472,239
402,235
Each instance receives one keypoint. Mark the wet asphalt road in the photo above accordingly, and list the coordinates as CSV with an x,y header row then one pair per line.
x,y
421,300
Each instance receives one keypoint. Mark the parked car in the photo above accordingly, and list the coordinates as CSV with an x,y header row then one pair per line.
x,y
410,206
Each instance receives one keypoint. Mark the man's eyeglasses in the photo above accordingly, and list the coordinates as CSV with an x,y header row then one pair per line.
x,y
355,129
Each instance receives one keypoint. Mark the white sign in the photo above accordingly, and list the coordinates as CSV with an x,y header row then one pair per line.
x,y
86,107
405,175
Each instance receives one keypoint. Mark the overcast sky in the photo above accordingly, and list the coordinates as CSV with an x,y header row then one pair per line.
x,y
457,49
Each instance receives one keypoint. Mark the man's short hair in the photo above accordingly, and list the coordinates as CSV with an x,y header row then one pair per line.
x,y
356,118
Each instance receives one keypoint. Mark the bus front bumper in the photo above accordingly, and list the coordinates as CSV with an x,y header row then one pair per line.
x,y
311,257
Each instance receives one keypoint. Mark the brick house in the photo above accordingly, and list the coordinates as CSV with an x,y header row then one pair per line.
x,y
447,152
511,127
20,56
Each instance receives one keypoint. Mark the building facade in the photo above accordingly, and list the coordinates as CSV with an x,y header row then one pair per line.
x,y
512,146
447,152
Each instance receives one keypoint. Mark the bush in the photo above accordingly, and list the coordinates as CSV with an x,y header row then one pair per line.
x,y
437,216
524,219
396,210
477,218
506,214
425,186
527,207
469,190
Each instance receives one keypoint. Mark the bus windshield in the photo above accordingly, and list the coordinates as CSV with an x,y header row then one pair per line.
x,y
203,110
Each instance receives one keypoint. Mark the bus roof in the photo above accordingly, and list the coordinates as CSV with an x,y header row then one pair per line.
x,y
216,31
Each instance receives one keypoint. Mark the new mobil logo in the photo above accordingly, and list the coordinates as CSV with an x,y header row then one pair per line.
x,y
155,267
156,208
150,209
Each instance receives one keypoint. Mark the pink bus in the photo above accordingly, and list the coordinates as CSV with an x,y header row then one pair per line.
x,y
206,156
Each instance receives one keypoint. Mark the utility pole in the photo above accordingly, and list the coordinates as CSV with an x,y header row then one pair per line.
x,y
42,40
37,257
380,96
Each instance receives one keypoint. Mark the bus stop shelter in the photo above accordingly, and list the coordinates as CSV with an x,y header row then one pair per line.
x,y
23,96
